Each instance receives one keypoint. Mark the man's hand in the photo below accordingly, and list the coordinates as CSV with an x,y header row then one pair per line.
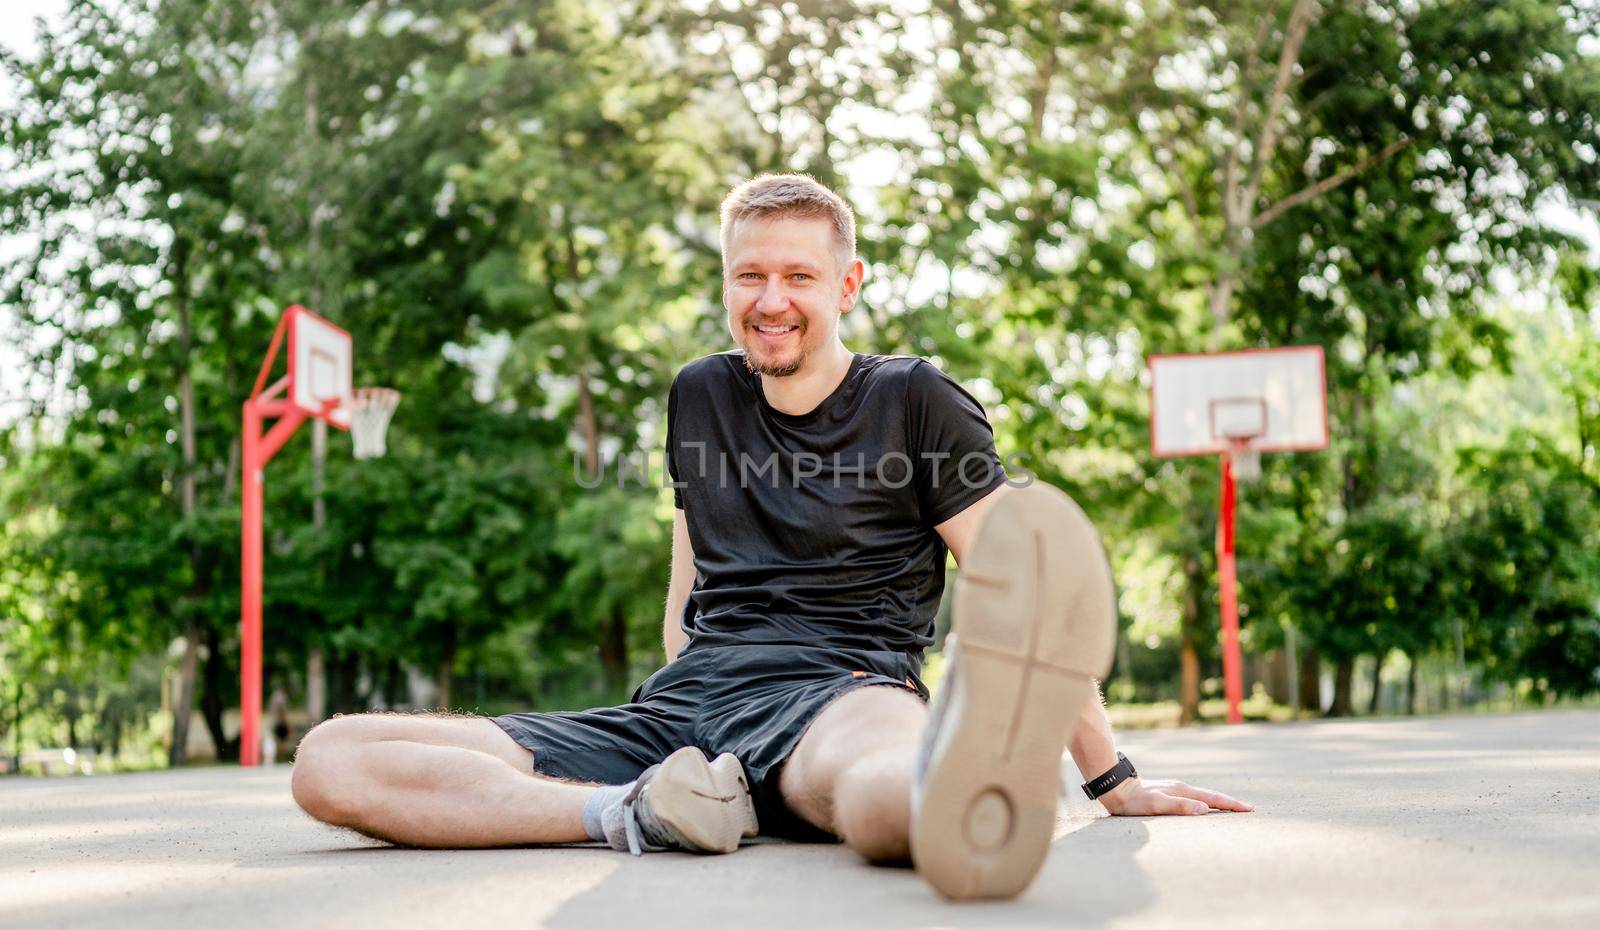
x,y
1138,798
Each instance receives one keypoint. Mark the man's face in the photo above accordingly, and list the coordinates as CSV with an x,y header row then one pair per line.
x,y
784,290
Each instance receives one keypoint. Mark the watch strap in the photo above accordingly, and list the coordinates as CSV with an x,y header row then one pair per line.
x,y
1119,773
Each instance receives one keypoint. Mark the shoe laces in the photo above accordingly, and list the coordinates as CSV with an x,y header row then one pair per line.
x,y
637,845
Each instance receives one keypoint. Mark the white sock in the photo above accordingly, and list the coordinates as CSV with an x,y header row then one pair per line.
x,y
602,798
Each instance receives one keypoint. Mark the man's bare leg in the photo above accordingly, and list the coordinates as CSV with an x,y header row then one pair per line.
x,y
440,781
851,772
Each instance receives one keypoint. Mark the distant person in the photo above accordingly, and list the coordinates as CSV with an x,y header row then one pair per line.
x,y
817,492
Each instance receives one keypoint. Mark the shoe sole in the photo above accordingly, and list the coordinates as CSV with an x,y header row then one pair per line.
x,y
1035,618
706,803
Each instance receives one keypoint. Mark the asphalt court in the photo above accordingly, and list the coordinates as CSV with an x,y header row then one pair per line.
x,y
1460,822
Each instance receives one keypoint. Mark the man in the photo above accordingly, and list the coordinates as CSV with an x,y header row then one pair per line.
x,y
817,492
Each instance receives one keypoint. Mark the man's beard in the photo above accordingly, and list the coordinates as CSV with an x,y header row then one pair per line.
x,y
773,370
778,369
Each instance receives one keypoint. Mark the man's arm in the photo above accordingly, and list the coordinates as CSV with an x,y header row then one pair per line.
x,y
1091,744
672,635
1094,750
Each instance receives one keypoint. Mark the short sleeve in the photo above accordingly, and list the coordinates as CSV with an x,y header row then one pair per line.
x,y
951,443
672,459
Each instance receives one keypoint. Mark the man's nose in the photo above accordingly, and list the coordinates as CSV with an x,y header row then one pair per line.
x,y
772,299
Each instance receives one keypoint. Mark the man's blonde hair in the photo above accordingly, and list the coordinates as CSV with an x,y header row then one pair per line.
x,y
772,195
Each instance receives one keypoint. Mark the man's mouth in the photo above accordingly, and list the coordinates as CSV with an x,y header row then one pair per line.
x,y
766,330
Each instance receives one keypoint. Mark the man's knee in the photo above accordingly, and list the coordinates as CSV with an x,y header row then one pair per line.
x,y
872,806
328,737
323,781
863,724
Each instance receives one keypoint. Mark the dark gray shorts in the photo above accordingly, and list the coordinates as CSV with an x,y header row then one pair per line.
x,y
754,701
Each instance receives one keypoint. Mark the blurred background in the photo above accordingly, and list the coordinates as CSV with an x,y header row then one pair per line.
x,y
512,206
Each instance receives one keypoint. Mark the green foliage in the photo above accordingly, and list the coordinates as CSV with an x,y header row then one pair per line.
x,y
513,208
1528,562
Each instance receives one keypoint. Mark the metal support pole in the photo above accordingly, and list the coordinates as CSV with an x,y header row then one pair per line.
x,y
1232,663
316,702
250,594
1291,657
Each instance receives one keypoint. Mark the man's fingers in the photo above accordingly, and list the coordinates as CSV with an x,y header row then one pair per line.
x,y
1174,804
1215,799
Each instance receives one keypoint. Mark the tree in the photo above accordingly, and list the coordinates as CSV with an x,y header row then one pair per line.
x,y
1129,174
597,169
1527,554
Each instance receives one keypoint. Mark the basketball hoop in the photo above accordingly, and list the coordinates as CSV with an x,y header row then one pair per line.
x,y
1245,457
370,409
1237,405
316,387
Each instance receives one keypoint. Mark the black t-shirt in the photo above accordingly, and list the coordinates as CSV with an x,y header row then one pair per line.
x,y
818,529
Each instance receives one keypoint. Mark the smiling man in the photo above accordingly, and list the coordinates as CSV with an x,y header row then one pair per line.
x,y
818,491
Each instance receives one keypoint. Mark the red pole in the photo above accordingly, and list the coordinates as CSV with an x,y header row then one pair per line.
x,y
250,595
1232,663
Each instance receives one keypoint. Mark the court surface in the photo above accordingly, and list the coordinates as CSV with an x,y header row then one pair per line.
x,y
1447,822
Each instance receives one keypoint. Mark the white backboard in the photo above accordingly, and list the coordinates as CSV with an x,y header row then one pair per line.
x,y
319,366
1275,398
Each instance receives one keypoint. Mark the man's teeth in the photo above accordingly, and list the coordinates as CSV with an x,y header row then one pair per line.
x,y
776,330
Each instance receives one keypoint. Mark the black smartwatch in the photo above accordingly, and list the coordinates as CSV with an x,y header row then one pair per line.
x,y
1119,773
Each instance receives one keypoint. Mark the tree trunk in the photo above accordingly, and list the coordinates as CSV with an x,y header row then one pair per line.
x,y
1377,684
343,685
588,427
1411,684
1189,655
445,678
1039,97
614,648
392,692
316,696
113,739
212,702
1124,668
1343,678
16,726
316,688
316,705
1310,681
314,181
1220,300
1274,675
183,708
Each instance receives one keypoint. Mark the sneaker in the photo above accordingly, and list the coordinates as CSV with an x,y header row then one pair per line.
x,y
684,802
1035,623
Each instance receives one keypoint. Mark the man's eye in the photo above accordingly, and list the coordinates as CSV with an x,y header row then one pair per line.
x,y
749,276
800,276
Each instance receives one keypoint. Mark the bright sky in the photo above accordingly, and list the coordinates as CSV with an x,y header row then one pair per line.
x,y
16,21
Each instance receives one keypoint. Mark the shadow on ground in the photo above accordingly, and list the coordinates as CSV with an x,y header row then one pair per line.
x,y
815,885
1485,822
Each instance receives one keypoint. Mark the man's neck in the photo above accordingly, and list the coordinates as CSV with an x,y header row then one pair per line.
x,y
801,392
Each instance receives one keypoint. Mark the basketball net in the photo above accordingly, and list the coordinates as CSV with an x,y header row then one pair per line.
x,y
370,409
1246,459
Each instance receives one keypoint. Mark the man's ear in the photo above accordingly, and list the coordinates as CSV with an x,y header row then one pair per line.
x,y
852,285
